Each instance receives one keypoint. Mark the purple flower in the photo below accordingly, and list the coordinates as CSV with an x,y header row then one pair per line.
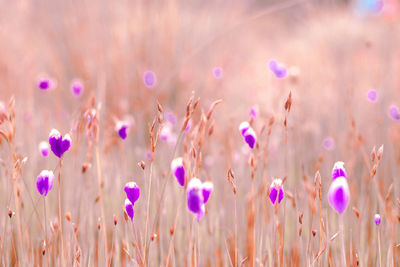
x,y
207,188
377,219
394,112
77,88
218,72
328,143
243,127
278,69
45,84
44,182
129,209
132,192
44,148
178,170
170,116
253,112
188,126
276,191
122,128
339,194
250,137
149,79
58,144
372,96
338,170
197,195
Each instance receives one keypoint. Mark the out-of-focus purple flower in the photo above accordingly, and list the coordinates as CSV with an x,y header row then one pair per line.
x,y
129,209
243,127
278,69
149,79
338,170
339,194
253,112
372,96
178,170
122,128
59,144
132,191
218,72
165,132
45,84
276,192
77,88
188,126
394,112
44,182
328,143
377,219
250,137
170,116
44,148
198,194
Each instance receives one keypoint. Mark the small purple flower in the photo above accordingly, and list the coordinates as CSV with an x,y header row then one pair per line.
x,y
77,88
394,112
339,194
372,96
149,79
278,69
276,191
166,132
218,72
132,192
122,128
170,116
45,84
377,219
207,188
44,148
58,144
188,126
197,195
328,143
178,170
44,182
129,209
250,137
338,170
253,112
243,127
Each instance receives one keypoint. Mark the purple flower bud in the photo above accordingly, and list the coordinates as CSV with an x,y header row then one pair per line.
x,y
328,143
207,190
122,128
243,127
58,144
253,112
178,170
394,112
276,191
218,72
77,88
149,79
372,96
44,182
45,84
44,148
250,137
338,170
129,209
377,219
278,69
339,194
195,197
132,192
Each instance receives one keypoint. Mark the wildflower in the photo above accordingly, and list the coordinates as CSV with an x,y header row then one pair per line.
x,y
207,189
45,84
171,118
253,112
276,191
394,112
250,137
197,195
132,192
372,95
178,170
44,182
339,194
77,88
278,69
149,79
122,128
338,170
44,148
243,127
129,209
218,72
58,144
377,219
328,143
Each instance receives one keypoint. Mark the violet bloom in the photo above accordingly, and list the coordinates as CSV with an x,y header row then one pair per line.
x,y
197,196
132,191
45,84
243,127
278,69
250,137
149,79
129,209
59,144
44,182
218,72
338,170
207,188
253,112
276,192
178,170
122,128
328,143
372,96
339,194
171,118
44,148
77,88
377,219
394,112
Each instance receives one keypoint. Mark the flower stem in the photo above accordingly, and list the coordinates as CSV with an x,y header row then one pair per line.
x,y
60,216
342,234
146,244
379,248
